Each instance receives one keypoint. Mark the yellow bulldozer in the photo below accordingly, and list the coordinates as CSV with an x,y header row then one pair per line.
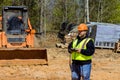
x,y
17,38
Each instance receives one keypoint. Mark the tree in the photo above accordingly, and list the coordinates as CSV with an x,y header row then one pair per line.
x,y
105,11
66,10
51,13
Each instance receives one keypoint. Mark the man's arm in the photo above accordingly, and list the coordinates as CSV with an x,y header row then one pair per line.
x,y
90,49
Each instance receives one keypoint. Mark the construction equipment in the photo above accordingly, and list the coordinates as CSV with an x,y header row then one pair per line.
x,y
63,36
17,37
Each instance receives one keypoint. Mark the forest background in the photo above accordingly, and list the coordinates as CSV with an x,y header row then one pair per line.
x,y
49,14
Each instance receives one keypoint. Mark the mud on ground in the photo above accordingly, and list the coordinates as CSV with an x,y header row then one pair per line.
x,y
105,66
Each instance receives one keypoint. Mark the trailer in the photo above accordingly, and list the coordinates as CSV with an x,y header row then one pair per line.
x,y
105,35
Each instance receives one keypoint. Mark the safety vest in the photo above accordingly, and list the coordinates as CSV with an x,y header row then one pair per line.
x,y
81,45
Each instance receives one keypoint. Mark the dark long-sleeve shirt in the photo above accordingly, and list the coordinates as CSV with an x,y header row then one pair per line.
x,y
88,52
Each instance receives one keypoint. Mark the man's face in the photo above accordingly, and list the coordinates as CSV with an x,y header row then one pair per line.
x,y
82,34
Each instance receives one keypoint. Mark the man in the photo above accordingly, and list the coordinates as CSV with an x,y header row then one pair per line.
x,y
15,25
81,49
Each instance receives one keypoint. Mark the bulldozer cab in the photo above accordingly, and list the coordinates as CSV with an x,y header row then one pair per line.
x,y
17,38
15,23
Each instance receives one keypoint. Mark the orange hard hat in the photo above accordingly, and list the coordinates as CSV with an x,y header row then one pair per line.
x,y
82,27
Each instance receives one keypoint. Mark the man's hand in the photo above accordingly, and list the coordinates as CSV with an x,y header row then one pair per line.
x,y
76,50
72,49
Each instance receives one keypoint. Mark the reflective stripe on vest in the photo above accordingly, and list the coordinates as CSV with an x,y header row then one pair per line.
x,y
81,45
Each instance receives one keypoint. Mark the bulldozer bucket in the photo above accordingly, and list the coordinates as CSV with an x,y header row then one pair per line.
x,y
23,56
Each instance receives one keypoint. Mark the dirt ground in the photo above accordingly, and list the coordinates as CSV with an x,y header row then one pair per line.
x,y
105,66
